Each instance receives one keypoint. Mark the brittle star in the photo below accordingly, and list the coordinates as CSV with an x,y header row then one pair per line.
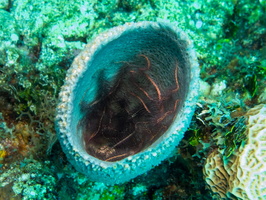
x,y
149,78
100,124
156,105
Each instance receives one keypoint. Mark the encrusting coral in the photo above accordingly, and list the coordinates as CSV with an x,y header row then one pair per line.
x,y
243,174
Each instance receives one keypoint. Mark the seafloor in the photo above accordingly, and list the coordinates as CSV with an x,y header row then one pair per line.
x,y
38,41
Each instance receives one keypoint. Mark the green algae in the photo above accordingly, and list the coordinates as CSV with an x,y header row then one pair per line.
x,y
235,137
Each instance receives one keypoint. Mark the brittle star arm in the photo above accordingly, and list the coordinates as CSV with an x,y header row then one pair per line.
x,y
100,124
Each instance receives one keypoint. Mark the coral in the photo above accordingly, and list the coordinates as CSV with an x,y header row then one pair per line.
x,y
30,180
87,77
28,135
74,185
217,88
243,174
5,131
215,175
3,153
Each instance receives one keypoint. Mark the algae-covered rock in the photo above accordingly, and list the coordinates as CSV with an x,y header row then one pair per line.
x,y
30,179
4,4
9,36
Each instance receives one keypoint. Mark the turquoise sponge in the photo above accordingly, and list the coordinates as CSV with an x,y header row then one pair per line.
x,y
127,100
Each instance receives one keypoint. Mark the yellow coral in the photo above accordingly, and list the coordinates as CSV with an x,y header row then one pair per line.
x,y
243,175
2,154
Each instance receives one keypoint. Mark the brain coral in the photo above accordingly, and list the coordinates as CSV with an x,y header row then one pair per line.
x,y
242,176
127,100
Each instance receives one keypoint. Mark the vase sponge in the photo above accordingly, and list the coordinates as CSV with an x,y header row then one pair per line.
x,y
127,100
